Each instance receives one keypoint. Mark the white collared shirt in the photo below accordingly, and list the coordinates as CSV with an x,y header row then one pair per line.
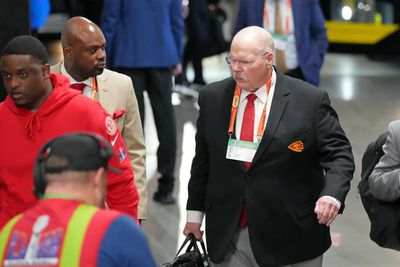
x,y
87,91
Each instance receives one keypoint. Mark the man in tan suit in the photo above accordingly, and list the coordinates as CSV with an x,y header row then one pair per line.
x,y
84,64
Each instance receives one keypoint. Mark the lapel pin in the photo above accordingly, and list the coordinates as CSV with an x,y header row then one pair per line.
x,y
297,146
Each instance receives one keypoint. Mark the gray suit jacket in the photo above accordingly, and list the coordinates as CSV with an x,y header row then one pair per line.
x,y
116,93
384,179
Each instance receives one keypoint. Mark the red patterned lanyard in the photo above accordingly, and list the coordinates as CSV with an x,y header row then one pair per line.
x,y
234,108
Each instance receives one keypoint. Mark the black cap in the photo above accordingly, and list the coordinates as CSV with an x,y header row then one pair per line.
x,y
78,151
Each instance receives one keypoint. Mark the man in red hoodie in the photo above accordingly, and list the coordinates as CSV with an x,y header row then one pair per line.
x,y
39,107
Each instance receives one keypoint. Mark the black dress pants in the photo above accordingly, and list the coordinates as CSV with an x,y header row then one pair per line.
x,y
158,82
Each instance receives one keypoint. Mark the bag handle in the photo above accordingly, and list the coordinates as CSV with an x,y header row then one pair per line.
x,y
184,244
193,243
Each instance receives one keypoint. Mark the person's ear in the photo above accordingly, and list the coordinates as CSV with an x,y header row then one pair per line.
x,y
67,51
270,58
99,179
46,69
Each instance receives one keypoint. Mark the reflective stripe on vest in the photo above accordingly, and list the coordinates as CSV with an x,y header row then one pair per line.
x,y
5,235
75,234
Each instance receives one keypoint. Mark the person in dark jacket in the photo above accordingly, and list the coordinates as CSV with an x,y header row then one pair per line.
x,y
144,41
272,166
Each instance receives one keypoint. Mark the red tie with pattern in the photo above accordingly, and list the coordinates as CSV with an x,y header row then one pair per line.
x,y
78,86
247,134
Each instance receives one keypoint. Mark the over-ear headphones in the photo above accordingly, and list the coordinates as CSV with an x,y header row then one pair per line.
x,y
83,151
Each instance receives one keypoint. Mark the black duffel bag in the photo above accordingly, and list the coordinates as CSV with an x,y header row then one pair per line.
x,y
192,257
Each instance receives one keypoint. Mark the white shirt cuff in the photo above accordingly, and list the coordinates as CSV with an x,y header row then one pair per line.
x,y
194,216
338,204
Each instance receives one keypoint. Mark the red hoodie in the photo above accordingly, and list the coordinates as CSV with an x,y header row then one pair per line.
x,y
23,133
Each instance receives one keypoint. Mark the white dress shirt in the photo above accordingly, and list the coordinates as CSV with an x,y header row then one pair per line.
x,y
87,91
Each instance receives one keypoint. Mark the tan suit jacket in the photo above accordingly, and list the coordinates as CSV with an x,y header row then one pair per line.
x,y
116,93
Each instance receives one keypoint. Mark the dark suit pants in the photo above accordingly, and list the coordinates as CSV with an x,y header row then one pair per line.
x,y
158,82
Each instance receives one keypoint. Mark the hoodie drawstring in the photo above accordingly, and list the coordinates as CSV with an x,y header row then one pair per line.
x,y
33,122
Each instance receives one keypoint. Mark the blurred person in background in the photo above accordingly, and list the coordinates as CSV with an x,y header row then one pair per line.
x,y
145,41
197,25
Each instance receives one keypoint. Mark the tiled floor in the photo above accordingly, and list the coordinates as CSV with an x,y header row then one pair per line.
x,y
366,95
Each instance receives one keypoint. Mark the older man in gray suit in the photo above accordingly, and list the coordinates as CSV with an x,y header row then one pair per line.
x,y
384,179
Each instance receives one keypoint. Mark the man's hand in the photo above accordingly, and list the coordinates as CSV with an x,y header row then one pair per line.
x,y
326,210
194,228
176,69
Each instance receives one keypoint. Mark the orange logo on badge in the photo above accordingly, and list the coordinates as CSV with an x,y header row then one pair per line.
x,y
297,146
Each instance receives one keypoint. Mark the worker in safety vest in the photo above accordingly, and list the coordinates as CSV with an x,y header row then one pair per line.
x,y
67,227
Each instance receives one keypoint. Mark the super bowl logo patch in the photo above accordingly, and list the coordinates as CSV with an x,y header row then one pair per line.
x,y
40,248
297,146
111,128
122,154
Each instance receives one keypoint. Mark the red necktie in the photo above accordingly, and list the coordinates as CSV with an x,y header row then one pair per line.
x,y
78,86
247,134
247,131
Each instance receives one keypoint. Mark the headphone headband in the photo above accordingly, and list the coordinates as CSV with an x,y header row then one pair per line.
x,y
78,151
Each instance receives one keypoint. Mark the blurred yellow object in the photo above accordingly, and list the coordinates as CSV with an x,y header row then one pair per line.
x,y
358,33
378,18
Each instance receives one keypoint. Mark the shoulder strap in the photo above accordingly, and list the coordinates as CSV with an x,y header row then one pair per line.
x,y
75,234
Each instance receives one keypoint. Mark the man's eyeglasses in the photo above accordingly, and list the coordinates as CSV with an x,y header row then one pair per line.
x,y
242,63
